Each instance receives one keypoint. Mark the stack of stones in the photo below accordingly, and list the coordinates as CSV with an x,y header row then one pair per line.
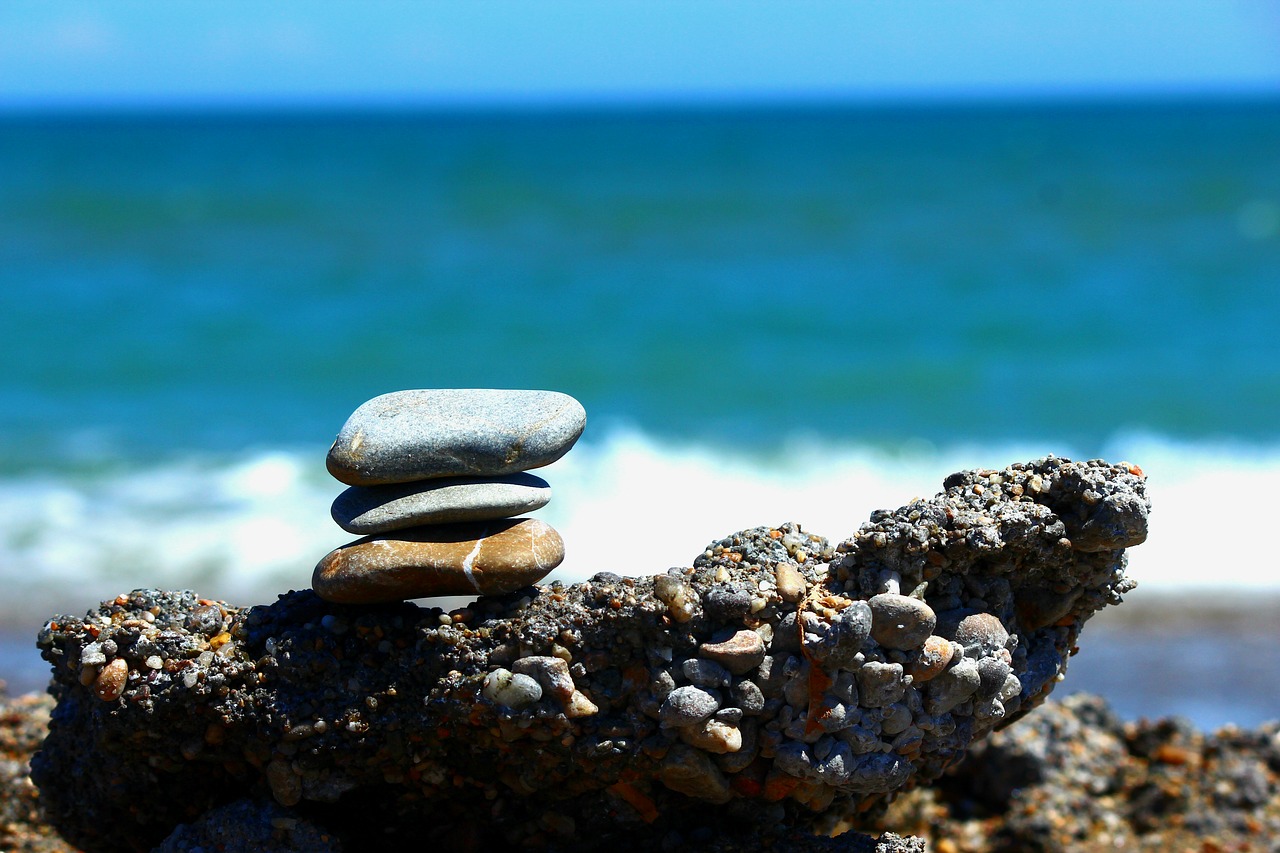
x,y
436,479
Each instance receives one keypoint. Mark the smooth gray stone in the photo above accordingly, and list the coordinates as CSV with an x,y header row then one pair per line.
x,y
419,435
377,509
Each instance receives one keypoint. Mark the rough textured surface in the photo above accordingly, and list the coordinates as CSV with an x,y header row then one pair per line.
x,y
1072,778
23,723
377,509
1069,778
250,826
644,732
416,435
478,557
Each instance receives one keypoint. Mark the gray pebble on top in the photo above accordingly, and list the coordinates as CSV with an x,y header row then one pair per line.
x,y
395,506
417,435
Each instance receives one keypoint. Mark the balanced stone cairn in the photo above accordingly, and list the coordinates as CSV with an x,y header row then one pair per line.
x,y
436,479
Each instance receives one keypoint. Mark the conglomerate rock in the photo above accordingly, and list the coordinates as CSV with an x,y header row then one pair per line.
x,y
1074,778
777,686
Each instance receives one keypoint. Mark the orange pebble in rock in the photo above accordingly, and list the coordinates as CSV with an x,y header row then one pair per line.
x,y
933,659
110,682
486,558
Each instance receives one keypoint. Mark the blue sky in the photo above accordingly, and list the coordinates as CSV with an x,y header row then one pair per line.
x,y
129,52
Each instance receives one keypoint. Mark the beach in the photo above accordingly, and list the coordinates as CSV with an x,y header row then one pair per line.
x,y
770,315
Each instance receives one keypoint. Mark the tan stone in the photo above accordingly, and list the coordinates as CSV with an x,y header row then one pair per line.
x,y
791,584
486,558
713,736
739,654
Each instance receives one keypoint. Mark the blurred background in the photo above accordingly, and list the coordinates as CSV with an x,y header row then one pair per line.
x,y
798,260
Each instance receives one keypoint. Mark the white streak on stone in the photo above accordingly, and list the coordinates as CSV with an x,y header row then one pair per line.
x,y
471,558
533,547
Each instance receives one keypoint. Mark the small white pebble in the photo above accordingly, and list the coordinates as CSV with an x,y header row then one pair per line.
x,y
154,662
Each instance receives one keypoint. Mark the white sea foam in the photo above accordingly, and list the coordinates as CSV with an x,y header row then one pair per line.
x,y
246,528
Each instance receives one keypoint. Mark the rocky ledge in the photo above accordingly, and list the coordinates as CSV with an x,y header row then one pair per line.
x,y
778,688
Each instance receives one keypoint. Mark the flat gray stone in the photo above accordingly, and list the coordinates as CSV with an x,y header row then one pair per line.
x,y
423,434
395,506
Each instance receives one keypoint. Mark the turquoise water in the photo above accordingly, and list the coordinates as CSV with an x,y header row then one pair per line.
x,y
965,274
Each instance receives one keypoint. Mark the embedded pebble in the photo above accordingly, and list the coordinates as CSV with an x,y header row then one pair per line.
x,y
747,696
489,558
834,637
732,716
551,673
706,673
687,705
206,619
786,636
794,759
377,509
727,602
579,705
796,687
880,684
662,684
285,785
981,630
679,597
110,682
932,660
739,654
992,672
900,621
515,690
791,583
92,655
691,772
416,435
953,687
713,736
772,673
897,717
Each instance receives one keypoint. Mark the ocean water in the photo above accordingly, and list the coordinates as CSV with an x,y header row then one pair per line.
x,y
769,315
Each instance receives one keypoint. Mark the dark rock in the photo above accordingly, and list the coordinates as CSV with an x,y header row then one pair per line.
x,y
249,825
372,719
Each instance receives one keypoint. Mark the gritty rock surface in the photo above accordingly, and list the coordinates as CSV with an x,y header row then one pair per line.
x,y
1072,778
377,509
1069,778
250,826
377,716
478,557
420,434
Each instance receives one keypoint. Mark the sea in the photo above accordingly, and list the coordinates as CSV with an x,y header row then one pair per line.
x,y
769,313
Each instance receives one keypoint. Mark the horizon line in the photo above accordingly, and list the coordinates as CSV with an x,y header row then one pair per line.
x,y
637,102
